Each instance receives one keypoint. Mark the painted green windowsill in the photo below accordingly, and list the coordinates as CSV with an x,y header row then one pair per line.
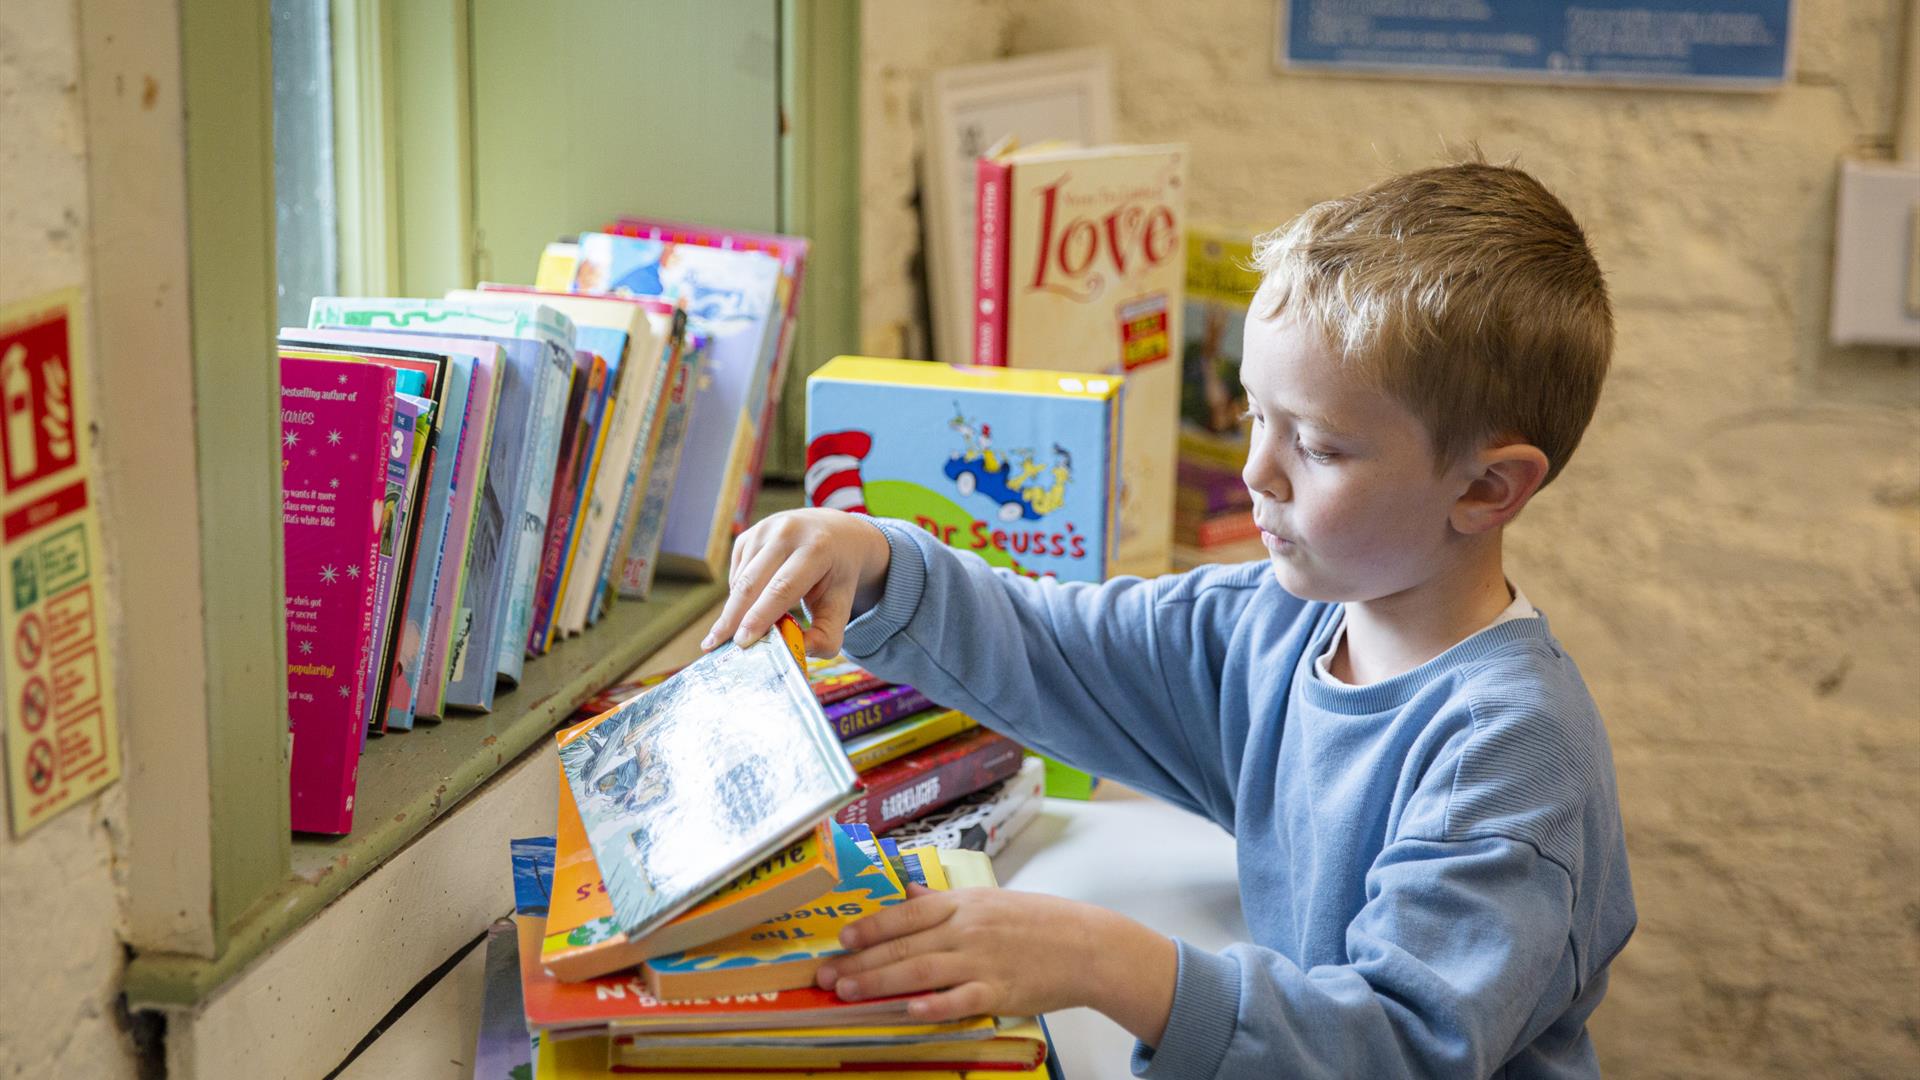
x,y
409,779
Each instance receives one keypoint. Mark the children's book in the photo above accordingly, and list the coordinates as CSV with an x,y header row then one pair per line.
x,y
985,820
863,712
903,737
1221,281
733,297
837,678
582,941
792,253
395,688
1080,267
336,419
390,516
705,775
502,1050
635,556
641,374
783,952
1019,467
533,873
546,394
925,780
466,423
589,380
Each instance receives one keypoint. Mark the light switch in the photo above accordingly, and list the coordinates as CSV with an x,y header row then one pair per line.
x,y
1876,255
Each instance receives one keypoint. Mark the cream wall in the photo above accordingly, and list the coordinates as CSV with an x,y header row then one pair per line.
x,y
60,939
1733,556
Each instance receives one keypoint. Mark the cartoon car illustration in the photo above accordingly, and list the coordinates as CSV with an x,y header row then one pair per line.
x,y
970,474
980,468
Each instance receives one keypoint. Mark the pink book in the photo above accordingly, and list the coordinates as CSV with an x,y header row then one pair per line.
x,y
336,422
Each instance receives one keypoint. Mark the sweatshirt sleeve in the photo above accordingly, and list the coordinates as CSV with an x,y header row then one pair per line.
x,y
1089,674
1449,968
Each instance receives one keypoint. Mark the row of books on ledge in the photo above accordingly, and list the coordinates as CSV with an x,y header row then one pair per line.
x,y
468,481
713,839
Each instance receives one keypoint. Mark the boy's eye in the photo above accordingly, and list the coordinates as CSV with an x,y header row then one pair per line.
x,y
1320,457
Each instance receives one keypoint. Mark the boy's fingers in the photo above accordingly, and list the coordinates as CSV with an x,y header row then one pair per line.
x,y
958,1003
921,971
798,572
749,577
919,914
831,608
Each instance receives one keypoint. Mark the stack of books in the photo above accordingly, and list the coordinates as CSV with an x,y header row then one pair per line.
x,y
915,760
1213,511
468,481
675,922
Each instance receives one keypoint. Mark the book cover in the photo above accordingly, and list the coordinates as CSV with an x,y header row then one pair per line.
x,y
412,419
533,869
711,771
732,297
985,820
1019,467
1221,281
467,423
336,420
792,253
547,400
1083,271
501,1050
646,517
910,786
864,712
783,952
588,370
583,942
905,736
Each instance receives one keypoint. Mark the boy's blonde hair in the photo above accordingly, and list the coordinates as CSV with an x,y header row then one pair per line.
x,y
1467,292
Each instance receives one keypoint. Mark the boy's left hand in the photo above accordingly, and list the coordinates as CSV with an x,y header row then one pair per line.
x,y
1004,953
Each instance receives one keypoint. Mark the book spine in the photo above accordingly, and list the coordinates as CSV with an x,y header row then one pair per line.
x,y
650,518
857,715
550,407
399,451
994,188
560,505
909,787
887,745
589,506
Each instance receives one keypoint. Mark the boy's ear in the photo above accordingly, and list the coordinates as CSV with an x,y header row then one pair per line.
x,y
1503,479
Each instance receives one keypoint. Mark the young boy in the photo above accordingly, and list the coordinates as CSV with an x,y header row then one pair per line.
x,y
1419,785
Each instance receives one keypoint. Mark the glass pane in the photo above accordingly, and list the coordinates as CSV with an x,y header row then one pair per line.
x,y
305,211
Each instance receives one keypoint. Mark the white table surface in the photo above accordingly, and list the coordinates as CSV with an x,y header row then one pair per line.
x,y
1162,866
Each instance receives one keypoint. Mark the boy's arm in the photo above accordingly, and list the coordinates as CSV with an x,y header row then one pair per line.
x,y
1121,679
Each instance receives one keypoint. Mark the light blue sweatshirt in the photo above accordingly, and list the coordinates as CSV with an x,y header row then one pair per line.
x,y
1432,866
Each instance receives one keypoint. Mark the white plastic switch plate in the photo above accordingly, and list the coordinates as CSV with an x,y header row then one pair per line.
x,y
1876,255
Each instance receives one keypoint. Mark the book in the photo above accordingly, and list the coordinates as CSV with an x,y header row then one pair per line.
x,y
501,1049
533,450
706,774
910,786
471,403
732,296
645,515
783,952
1019,467
1015,1045
412,433
1079,267
642,373
329,489
533,873
583,942
985,820
1220,283
864,712
838,678
902,737
792,253
588,382
1208,531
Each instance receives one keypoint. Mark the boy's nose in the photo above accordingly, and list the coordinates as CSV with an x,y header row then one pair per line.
x,y
1263,478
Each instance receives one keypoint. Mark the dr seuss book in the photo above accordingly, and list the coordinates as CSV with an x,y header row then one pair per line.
x,y
1018,467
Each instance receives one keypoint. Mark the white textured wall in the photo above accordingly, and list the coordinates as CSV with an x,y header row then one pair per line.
x,y
60,937
1733,556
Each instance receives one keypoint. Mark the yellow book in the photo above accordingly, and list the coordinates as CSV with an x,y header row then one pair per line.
x,y
1018,1042
781,953
905,736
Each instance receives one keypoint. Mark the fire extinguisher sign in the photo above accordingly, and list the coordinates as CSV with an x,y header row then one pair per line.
x,y
62,738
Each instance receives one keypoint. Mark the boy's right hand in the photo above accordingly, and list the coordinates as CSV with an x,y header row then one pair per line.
x,y
833,561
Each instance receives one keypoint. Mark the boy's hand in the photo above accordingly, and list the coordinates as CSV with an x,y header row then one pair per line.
x,y
1004,953
834,561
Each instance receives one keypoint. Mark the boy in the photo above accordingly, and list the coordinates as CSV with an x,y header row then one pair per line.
x,y
1421,792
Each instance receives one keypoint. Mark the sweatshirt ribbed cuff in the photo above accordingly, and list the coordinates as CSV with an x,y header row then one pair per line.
x,y
906,582
1206,1011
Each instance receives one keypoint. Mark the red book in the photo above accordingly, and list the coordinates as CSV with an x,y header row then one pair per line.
x,y
560,503
994,188
908,787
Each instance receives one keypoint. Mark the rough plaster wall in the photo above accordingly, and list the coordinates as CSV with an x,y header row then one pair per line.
x,y
1734,555
60,941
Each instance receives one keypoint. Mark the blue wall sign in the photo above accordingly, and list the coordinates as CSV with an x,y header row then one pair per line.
x,y
1733,44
